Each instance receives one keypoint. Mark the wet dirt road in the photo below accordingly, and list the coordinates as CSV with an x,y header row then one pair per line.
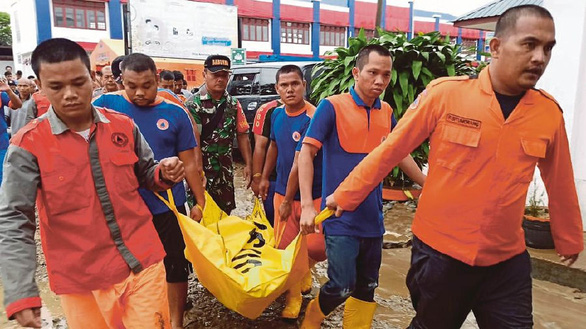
x,y
555,307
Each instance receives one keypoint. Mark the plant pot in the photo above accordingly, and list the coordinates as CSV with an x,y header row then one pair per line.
x,y
398,194
537,232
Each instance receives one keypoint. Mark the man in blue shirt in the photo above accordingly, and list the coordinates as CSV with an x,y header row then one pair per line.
x,y
169,131
348,127
10,99
288,123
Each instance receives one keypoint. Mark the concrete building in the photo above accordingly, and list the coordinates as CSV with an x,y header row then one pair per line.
x,y
282,27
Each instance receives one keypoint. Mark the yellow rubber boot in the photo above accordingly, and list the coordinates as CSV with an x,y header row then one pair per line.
x,y
306,283
313,315
293,302
358,314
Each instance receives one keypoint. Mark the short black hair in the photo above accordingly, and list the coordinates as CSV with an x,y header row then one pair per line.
x,y
7,73
362,57
178,75
31,77
19,72
138,62
56,51
290,68
166,75
508,20
115,65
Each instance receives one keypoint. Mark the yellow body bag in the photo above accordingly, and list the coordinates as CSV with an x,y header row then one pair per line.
x,y
236,259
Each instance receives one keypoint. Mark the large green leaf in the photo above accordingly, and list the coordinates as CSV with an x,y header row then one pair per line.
x,y
416,67
398,100
451,70
404,81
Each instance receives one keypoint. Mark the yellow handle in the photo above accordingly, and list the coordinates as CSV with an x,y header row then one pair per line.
x,y
170,203
323,215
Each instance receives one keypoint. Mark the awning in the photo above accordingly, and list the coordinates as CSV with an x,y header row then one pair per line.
x,y
485,17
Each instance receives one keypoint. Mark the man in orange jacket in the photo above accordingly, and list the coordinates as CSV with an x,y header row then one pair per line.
x,y
487,133
83,165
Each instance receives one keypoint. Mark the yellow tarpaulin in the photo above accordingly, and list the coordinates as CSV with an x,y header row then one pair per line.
x,y
235,259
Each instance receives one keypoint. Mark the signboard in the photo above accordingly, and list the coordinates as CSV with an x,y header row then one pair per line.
x,y
182,28
238,56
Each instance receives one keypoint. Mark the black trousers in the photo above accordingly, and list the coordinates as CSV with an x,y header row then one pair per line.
x,y
445,290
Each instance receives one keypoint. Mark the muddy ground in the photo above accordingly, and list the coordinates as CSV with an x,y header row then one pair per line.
x,y
207,312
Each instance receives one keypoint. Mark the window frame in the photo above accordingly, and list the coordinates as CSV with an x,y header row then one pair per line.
x,y
333,36
83,7
295,33
369,33
250,28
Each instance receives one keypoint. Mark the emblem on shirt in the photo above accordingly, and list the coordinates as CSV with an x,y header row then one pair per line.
x,y
416,102
296,136
461,121
119,139
163,124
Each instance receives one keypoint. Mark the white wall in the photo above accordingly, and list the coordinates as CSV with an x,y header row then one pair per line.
x,y
257,45
565,79
81,35
290,48
323,49
23,22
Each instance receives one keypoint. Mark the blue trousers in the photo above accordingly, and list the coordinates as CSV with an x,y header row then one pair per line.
x,y
444,290
353,265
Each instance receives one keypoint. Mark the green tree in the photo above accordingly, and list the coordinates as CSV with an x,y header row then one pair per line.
x,y
5,32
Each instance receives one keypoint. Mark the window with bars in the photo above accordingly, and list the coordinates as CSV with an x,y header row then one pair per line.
x,y
369,33
332,36
296,33
79,14
255,29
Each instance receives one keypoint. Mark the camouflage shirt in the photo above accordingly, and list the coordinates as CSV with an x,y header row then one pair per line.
x,y
217,147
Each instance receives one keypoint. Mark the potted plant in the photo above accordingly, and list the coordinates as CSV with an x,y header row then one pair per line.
x,y
536,222
416,62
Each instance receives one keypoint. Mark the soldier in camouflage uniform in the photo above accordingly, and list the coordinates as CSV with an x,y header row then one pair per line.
x,y
220,118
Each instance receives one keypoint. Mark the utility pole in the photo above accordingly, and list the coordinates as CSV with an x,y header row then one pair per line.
x,y
379,15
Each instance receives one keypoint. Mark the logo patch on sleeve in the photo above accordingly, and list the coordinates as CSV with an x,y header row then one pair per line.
x,y
461,121
119,139
296,136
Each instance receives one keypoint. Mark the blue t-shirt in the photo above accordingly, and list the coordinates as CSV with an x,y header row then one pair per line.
x,y
4,139
367,219
287,131
168,130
